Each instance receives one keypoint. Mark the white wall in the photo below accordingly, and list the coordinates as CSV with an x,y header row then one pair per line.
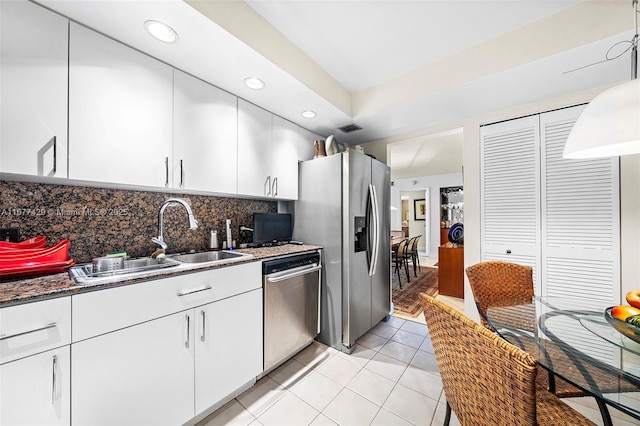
x,y
629,188
434,183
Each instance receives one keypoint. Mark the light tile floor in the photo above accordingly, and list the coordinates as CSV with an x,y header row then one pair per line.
x,y
391,378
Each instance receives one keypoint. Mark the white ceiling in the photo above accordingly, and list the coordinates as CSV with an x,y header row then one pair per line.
x,y
363,43
391,66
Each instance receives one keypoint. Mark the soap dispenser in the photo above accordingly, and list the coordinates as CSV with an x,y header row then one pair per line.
x,y
213,239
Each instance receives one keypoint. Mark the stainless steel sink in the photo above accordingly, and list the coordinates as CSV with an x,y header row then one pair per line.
x,y
132,268
209,256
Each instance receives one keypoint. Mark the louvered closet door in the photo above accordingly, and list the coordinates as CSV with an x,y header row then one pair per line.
x,y
580,220
510,188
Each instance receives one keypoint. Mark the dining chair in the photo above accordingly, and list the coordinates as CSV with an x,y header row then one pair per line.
x,y
492,281
487,381
495,280
399,258
413,251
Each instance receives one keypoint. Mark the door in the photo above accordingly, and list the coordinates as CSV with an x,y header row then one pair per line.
x,y
254,150
510,188
36,390
284,159
356,303
580,218
318,219
205,138
381,280
140,375
228,351
33,77
120,112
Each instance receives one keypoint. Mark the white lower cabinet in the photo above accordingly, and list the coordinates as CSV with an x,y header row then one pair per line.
x,y
163,351
36,390
228,351
141,375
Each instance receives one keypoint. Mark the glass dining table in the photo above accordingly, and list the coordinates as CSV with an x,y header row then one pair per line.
x,y
572,339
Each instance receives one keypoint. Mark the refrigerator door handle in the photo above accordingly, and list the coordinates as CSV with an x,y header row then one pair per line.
x,y
374,226
377,228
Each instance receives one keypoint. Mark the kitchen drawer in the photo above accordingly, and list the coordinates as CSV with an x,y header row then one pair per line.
x,y
34,327
111,309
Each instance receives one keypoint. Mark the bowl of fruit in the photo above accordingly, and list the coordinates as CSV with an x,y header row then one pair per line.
x,y
626,319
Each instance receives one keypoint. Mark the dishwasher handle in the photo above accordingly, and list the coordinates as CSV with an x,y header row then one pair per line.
x,y
292,273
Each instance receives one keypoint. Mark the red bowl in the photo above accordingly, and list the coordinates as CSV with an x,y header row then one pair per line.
x,y
16,258
35,242
7,273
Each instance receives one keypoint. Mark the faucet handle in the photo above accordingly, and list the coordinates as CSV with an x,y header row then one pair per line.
x,y
159,241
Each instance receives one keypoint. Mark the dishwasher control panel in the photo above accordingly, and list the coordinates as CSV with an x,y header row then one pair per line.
x,y
290,262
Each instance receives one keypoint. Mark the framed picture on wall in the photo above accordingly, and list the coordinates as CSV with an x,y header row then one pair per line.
x,y
419,210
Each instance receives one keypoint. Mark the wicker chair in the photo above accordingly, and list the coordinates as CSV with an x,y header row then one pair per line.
x,y
399,259
486,380
492,281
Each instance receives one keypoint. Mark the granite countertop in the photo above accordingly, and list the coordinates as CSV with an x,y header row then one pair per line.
x,y
59,285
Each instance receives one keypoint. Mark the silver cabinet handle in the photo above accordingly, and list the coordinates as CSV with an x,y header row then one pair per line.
x,y
204,322
268,186
181,175
274,188
53,387
186,343
3,337
196,290
166,172
55,155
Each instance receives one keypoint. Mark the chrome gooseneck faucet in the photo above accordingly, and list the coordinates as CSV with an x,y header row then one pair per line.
x,y
193,223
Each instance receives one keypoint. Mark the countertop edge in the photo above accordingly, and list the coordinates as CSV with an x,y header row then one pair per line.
x,y
46,287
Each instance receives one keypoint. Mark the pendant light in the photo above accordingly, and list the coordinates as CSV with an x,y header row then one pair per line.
x,y
610,123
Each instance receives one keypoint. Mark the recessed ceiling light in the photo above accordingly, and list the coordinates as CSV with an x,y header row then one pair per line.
x,y
161,31
309,114
254,83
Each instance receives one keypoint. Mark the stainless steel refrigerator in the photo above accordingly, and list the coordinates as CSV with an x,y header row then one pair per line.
x,y
344,205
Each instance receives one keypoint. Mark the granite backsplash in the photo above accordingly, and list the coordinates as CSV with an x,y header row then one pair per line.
x,y
99,220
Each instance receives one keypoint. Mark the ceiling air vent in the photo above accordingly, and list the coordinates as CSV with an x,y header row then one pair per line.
x,y
349,128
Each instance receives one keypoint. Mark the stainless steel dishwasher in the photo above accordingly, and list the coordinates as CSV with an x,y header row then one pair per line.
x,y
291,305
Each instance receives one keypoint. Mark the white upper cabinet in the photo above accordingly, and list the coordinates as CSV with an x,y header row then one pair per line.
x,y
120,112
33,77
254,150
284,159
205,137
267,154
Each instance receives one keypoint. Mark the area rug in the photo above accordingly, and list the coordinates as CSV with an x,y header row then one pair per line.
x,y
406,301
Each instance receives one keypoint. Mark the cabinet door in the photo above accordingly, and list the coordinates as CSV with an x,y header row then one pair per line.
x,y
141,375
31,328
254,150
33,77
284,159
36,390
120,112
205,141
228,349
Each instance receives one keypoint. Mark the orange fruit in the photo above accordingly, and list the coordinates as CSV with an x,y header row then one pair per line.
x,y
622,312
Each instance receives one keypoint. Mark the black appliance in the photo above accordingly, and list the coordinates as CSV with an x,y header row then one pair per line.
x,y
272,228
